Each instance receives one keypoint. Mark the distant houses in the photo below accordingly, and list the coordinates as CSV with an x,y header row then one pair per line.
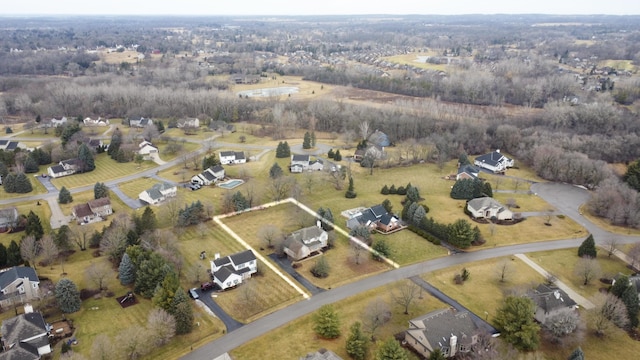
x,y
139,122
158,193
232,157
374,218
232,270
92,211
55,122
222,126
188,123
95,122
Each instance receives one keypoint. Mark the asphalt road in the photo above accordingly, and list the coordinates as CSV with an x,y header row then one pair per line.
x,y
566,198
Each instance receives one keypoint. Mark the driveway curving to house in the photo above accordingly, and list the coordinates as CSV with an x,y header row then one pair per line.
x,y
229,322
132,203
285,264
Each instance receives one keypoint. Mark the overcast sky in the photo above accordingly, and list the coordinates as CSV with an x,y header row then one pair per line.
x,y
317,7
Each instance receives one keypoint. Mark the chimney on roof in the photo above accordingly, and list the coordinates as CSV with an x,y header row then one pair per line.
x,y
216,256
28,309
453,344
319,223
498,151
556,293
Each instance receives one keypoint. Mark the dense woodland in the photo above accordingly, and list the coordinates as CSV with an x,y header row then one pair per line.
x,y
558,93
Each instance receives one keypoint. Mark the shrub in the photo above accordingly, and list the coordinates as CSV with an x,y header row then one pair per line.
x,y
402,190
385,190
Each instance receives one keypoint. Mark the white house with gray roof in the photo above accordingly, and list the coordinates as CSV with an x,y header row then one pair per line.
x,y
488,208
18,284
209,176
304,242
231,270
451,331
232,157
158,193
494,161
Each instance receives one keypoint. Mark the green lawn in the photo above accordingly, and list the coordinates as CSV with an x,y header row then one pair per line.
x,y
38,188
408,248
80,198
43,211
298,337
106,169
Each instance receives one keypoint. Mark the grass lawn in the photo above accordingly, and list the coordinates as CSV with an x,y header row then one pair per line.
x,y
43,211
606,225
306,89
561,263
412,59
408,248
80,198
38,188
298,337
106,169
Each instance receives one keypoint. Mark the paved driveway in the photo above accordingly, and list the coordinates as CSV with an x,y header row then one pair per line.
x,y
285,264
228,321
47,183
132,203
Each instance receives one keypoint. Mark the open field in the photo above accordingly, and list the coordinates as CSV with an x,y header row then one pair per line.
x,y
619,64
298,337
408,247
306,89
562,263
43,211
413,59
106,169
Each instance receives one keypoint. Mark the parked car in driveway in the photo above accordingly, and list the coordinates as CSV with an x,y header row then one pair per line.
x,y
206,286
194,187
193,293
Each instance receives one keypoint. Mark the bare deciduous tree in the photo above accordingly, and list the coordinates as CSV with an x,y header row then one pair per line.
x,y
268,234
196,273
634,255
132,342
97,274
49,250
364,129
609,311
504,270
29,250
248,294
559,328
161,326
587,269
279,188
80,235
356,250
611,245
405,294
376,314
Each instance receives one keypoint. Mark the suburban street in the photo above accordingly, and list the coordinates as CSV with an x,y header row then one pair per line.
x,y
567,198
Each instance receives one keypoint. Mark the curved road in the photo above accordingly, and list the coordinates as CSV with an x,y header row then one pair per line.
x,y
566,198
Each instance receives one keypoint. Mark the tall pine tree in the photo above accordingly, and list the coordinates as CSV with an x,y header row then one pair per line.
x,y
588,248
86,158
126,271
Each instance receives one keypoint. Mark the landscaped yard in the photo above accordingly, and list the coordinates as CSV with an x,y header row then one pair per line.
x,y
106,169
43,211
38,188
298,337
408,248
80,198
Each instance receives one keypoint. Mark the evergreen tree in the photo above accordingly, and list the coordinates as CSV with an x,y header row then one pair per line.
x,y
9,183
327,215
487,190
283,150
68,131
126,271
306,143
61,238
384,190
67,296
393,190
150,273
350,194
64,196
632,176
86,158
357,342
382,248
337,156
34,226
3,255
165,292
331,154
275,171
402,190
210,161
321,268
463,160
239,201
114,145
160,126
100,190
418,215
621,284
411,212
630,299
516,324
467,189
386,204
577,354
413,194
22,184
31,165
391,350
460,234
437,355
327,322
588,248
14,257
184,318
148,221
132,238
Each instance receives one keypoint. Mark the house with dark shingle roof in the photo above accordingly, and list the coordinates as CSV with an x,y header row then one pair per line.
x,y
375,217
25,335
209,176
550,301
304,242
322,354
231,270
232,157
158,193
451,331
64,168
494,161
18,284
467,172
92,211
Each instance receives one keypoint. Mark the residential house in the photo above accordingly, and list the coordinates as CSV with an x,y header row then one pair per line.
x,y
232,157
304,242
379,139
95,122
467,172
139,122
322,354
451,331
158,193
64,168
8,218
372,217
92,211
373,151
55,122
300,163
231,270
494,161
7,145
18,284
209,176
25,336
189,123
316,165
95,143
222,126
550,301
488,208
147,150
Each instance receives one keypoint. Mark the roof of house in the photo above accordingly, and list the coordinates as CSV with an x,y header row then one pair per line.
x,y
216,168
378,210
227,153
82,210
17,272
22,327
305,235
322,354
387,219
492,158
485,203
208,175
12,145
20,351
469,169
4,142
97,203
224,273
57,169
95,142
300,158
154,193
549,299
10,213
243,257
438,326
163,186
379,138
239,155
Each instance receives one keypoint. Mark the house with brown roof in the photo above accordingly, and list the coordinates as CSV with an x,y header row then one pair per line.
x,y
449,330
304,242
92,211
25,336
